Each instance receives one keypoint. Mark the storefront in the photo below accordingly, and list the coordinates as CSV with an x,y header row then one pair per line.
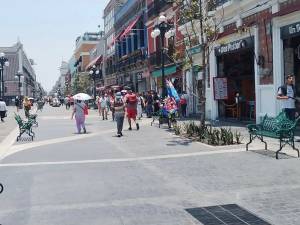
x,y
286,46
234,78
235,65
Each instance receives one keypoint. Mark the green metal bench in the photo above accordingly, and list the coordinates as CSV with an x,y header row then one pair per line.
x,y
279,127
24,127
32,118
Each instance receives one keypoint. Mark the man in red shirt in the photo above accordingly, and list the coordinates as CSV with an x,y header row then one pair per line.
x,y
131,108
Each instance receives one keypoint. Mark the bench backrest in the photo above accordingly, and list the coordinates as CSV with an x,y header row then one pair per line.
x,y
280,122
18,119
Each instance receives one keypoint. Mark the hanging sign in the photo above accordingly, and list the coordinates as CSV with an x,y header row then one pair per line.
x,y
220,88
291,30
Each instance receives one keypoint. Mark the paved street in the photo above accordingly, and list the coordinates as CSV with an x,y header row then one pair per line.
x,y
147,177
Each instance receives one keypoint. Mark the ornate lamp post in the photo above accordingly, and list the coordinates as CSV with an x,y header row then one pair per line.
x,y
165,30
3,62
94,72
18,76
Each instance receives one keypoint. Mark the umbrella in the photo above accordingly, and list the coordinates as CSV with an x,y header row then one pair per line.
x,y
82,97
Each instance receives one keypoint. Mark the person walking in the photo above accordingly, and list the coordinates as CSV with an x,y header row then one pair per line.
x,y
156,102
119,111
79,112
183,104
112,101
17,103
149,104
27,106
131,108
287,94
3,109
140,105
104,106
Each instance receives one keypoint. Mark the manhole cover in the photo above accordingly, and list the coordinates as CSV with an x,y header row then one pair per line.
x,y
231,214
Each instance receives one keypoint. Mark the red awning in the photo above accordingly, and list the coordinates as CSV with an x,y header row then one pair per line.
x,y
98,59
129,27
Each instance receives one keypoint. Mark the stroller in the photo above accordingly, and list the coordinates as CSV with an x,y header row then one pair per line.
x,y
167,114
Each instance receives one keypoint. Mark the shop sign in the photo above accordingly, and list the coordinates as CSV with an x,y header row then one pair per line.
x,y
139,76
234,46
194,50
290,30
220,88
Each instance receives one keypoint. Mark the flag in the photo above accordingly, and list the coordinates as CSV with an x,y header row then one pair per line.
x,y
172,91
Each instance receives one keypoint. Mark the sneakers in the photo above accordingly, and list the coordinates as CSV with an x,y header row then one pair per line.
x,y
137,126
119,135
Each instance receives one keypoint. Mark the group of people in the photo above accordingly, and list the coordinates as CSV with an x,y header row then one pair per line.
x,y
122,104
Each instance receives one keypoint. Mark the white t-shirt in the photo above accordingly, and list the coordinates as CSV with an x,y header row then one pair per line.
x,y
290,102
2,106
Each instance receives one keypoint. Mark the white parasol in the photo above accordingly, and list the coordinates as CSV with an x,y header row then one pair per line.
x,y
82,97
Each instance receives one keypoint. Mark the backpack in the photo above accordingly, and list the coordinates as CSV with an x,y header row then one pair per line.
x,y
132,99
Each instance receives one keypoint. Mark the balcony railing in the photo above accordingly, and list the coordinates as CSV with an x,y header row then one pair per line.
x,y
155,59
131,60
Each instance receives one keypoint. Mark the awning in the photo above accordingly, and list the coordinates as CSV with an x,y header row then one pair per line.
x,y
129,27
98,59
168,71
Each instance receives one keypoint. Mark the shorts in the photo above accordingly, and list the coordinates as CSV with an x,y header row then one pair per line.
x,y
131,113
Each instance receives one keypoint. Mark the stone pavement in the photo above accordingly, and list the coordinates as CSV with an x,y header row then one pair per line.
x,y
9,124
147,177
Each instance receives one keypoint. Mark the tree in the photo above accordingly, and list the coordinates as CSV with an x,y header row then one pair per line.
x,y
200,26
82,83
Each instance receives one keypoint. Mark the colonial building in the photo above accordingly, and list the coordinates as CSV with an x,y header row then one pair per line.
x,y
84,44
257,47
173,45
131,45
20,64
110,43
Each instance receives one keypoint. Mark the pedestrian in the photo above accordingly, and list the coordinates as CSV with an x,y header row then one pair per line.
x,y
17,103
79,112
104,106
112,101
149,104
119,109
156,102
183,103
140,105
3,110
131,108
287,94
27,106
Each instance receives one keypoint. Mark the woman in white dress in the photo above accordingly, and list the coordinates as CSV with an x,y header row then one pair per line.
x,y
140,104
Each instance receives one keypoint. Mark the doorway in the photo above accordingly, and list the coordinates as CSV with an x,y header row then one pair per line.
x,y
238,68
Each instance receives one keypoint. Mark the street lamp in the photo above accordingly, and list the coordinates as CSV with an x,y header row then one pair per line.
x,y
3,62
18,76
165,30
94,72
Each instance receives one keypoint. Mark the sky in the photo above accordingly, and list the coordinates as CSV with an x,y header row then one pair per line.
x,y
48,30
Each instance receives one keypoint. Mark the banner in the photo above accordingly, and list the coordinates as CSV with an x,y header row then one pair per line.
x,y
172,91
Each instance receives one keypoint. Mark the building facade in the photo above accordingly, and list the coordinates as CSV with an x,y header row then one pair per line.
x,y
19,63
256,49
109,38
131,45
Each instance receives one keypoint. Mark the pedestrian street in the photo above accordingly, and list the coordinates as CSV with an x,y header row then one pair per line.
x,y
146,177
